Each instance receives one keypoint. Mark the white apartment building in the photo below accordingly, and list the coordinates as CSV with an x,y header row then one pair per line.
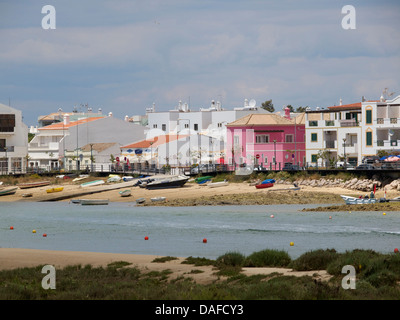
x,y
353,131
210,122
380,126
336,130
13,141
48,148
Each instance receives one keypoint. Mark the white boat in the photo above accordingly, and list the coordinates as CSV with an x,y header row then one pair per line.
x,y
158,199
218,184
354,200
81,177
173,182
87,202
125,193
127,178
140,200
113,178
92,183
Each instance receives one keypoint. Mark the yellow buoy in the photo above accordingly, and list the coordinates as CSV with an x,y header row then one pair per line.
x,y
291,244
33,231
384,213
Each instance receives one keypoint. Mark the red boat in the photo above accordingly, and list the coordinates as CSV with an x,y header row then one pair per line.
x,y
264,185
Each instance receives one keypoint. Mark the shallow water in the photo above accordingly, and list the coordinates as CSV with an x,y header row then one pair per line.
x,y
179,231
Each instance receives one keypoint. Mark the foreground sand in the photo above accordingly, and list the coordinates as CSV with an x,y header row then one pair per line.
x,y
11,258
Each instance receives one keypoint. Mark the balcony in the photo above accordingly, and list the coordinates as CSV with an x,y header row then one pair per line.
x,y
348,123
330,144
387,121
7,149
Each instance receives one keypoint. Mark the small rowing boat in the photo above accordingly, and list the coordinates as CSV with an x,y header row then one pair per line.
x,y
156,199
125,193
8,191
33,184
264,185
58,189
354,200
218,184
92,202
140,200
27,195
92,183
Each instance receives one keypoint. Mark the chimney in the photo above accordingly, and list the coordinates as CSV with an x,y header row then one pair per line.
x,y
66,119
287,113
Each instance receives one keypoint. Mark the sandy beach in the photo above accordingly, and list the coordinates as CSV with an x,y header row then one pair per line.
x,y
11,258
194,194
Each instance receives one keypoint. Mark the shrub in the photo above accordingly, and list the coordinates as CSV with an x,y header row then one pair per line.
x,y
232,259
314,260
268,258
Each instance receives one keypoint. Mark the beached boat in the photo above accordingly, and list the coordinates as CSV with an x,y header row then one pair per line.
x,y
27,195
140,200
218,184
92,183
8,191
354,200
58,189
156,199
202,179
173,182
92,202
81,177
75,201
33,184
127,178
264,185
125,193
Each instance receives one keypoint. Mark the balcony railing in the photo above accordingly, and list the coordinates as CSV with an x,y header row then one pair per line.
x,y
348,123
7,149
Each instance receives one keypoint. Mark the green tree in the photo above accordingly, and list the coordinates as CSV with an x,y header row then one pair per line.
x,y
301,109
268,105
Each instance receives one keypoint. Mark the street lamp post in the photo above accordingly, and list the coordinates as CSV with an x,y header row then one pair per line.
x,y
275,153
344,151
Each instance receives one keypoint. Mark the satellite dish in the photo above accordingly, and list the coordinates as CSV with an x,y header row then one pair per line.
x,y
252,103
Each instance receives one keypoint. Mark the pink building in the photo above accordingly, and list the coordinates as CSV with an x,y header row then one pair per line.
x,y
268,140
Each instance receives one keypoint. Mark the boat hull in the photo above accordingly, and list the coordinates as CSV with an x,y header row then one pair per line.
x,y
33,184
165,184
55,190
92,183
264,185
354,200
9,191
93,202
125,193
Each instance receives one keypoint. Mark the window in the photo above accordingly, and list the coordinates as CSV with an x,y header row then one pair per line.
x,y
164,127
313,123
2,144
265,159
7,122
196,127
236,140
154,126
262,138
314,137
314,158
368,116
289,138
368,138
186,125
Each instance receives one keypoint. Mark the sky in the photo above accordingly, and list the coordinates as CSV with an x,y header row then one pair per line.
x,y
123,55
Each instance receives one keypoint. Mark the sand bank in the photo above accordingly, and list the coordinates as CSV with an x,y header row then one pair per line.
x,y
11,258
